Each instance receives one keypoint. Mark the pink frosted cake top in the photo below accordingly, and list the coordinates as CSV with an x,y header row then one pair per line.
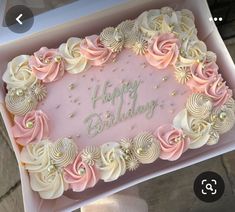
x,y
97,107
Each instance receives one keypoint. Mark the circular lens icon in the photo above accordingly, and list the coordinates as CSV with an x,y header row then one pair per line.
x,y
19,19
209,186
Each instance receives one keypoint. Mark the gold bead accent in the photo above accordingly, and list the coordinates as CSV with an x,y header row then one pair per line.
x,y
59,154
58,59
29,124
127,157
81,171
165,78
127,151
71,115
139,150
19,92
107,115
173,93
222,116
71,86
51,168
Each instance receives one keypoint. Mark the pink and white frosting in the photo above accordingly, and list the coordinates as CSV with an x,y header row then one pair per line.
x,y
32,127
79,175
218,91
173,142
47,65
92,48
163,50
202,75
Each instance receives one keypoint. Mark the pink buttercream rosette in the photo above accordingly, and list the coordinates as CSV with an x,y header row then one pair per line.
x,y
47,65
218,91
163,50
80,181
32,127
173,142
94,50
202,76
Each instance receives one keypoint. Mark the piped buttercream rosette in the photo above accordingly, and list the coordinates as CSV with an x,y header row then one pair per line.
x,y
80,175
32,127
173,142
75,62
112,162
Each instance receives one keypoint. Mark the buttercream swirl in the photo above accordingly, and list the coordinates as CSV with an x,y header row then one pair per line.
x,y
39,91
113,163
173,142
49,185
202,76
182,73
92,48
146,148
149,22
132,163
20,101
79,175
230,104
199,105
75,62
223,119
198,130
214,138
32,127
18,73
63,152
112,38
36,156
192,50
47,65
90,155
218,92
210,57
163,50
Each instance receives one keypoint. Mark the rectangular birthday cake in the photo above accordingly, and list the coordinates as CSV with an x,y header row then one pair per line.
x,y
97,107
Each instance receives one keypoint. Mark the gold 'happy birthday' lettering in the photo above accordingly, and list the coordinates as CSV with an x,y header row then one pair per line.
x,y
96,123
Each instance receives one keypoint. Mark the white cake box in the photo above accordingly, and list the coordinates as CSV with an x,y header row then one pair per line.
x,y
87,17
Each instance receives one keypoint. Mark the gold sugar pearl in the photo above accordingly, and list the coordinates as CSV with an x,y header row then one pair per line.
x,y
58,58
165,78
59,154
107,115
19,92
29,124
139,150
173,93
71,86
51,168
71,115
81,171
222,116
127,157
127,151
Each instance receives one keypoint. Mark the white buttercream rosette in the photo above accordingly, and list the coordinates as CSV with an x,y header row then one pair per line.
x,y
75,62
198,130
19,74
112,164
